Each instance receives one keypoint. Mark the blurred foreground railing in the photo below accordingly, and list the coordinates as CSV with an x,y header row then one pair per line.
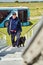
x,y
32,30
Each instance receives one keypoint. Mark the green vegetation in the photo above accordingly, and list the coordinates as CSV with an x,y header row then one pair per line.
x,y
36,9
24,30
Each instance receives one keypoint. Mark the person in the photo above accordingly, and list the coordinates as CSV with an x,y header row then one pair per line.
x,y
14,28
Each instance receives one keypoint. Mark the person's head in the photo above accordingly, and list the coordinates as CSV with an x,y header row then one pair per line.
x,y
14,15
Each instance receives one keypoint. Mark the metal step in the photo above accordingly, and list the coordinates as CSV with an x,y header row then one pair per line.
x,y
11,53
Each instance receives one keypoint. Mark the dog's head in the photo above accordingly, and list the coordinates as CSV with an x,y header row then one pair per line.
x,y
23,39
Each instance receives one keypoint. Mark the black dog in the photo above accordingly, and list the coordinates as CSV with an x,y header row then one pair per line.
x,y
21,41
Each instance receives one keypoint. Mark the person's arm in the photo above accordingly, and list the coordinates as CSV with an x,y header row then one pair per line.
x,y
8,30
20,26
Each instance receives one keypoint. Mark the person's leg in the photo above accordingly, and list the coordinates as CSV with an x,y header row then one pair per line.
x,y
18,37
13,40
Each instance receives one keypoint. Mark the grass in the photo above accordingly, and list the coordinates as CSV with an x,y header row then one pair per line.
x,y
24,30
30,5
36,9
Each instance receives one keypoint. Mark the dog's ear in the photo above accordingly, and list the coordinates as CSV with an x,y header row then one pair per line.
x,y
24,37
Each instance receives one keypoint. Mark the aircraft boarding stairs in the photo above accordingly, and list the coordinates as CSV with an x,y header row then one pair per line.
x,y
20,56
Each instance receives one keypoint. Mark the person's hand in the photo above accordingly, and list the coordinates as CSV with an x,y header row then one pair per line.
x,y
6,24
15,31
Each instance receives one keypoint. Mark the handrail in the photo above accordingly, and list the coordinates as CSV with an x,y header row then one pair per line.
x,y
3,42
33,29
29,48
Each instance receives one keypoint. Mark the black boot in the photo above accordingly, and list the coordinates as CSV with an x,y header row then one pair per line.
x,y
14,44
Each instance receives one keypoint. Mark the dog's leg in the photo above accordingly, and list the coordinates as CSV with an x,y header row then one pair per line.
x,y
23,45
20,45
